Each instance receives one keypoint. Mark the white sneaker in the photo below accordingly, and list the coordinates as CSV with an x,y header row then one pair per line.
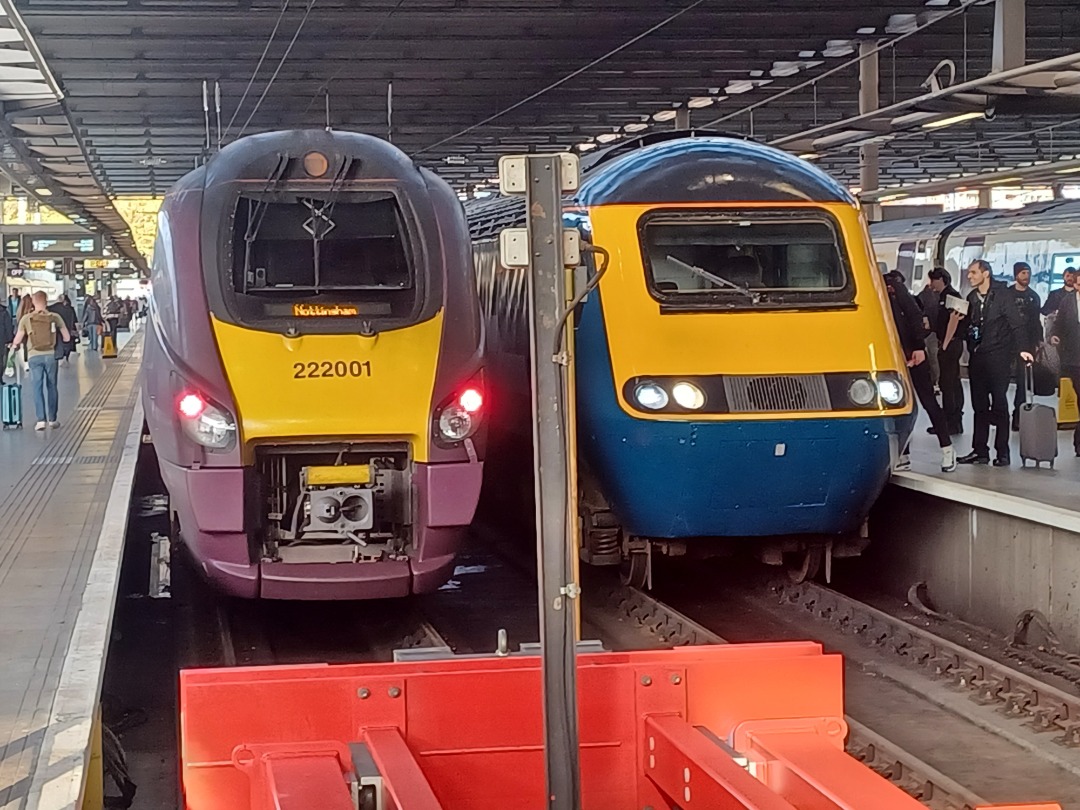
x,y
903,463
39,426
54,424
948,458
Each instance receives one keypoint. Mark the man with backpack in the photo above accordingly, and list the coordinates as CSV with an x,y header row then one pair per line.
x,y
40,330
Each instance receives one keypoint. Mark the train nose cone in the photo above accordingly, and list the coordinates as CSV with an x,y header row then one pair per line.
x,y
325,508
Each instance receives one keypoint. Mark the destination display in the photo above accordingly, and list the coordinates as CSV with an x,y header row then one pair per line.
x,y
59,246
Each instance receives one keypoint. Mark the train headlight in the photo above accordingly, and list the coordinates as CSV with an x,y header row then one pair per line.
x,y
206,424
688,395
651,396
891,391
459,419
861,391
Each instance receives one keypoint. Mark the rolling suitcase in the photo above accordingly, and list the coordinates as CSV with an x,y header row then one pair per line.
x,y
1038,428
11,405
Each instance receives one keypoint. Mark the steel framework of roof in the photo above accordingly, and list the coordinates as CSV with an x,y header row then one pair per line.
x,y
132,74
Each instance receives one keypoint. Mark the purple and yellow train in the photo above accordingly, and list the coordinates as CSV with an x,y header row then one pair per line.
x,y
313,368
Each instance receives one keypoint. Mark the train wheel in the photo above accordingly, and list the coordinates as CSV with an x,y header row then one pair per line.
x,y
636,567
804,565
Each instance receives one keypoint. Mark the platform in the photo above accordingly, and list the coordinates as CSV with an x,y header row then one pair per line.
x,y
989,543
1040,494
62,493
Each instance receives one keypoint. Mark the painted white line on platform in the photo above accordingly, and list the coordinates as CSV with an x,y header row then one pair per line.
x,y
59,775
989,500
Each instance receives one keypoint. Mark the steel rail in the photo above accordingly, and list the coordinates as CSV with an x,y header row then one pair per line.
x,y
915,777
1021,696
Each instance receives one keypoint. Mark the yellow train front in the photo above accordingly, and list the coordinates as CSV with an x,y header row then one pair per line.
x,y
312,372
738,375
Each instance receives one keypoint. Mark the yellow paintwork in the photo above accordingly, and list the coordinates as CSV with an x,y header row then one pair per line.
x,y
393,404
744,341
338,475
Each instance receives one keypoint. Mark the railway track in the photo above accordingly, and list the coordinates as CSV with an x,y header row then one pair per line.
x,y
905,769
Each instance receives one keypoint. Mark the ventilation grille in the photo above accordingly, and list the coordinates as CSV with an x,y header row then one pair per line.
x,y
806,392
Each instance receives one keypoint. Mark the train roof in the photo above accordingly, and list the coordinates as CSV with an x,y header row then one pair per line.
x,y
684,170
708,169
920,226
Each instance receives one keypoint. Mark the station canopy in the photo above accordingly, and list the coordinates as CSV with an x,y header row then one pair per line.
x,y
456,83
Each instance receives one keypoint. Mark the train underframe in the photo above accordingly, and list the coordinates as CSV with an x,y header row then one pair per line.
x,y
604,542
330,521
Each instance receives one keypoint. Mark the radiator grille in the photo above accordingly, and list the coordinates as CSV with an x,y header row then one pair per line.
x,y
805,392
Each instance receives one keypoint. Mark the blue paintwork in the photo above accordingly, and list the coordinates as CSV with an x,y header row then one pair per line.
x,y
711,170
711,479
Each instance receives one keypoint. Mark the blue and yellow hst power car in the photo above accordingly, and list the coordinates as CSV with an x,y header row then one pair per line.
x,y
737,371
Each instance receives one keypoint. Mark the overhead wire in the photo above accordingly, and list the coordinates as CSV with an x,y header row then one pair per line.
x,y
258,67
325,86
892,43
573,74
280,64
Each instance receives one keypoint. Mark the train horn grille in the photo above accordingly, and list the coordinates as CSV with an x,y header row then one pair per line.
x,y
804,392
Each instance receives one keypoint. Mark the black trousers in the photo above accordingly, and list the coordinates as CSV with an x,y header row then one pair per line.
x,y
952,390
1073,373
990,375
923,381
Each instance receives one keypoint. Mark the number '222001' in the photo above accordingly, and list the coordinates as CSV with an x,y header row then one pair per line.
x,y
327,368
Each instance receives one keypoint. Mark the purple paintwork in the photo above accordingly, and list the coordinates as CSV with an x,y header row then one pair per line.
x,y
207,502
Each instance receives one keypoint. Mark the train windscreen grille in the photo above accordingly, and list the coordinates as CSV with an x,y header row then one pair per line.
x,y
805,392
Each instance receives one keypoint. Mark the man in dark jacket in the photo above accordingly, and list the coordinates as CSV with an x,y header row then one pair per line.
x,y
1065,333
952,389
1031,334
993,330
7,334
908,316
1055,297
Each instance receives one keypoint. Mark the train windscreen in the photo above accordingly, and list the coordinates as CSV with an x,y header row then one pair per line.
x,y
753,260
311,252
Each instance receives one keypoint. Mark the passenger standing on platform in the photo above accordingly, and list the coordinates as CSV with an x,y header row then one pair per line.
x,y
26,306
92,321
7,334
994,333
13,304
912,330
1028,304
908,318
113,310
40,331
66,311
1065,333
928,300
952,389
1055,297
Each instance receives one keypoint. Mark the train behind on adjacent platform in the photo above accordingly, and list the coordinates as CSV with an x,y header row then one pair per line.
x,y
737,373
1046,235
312,375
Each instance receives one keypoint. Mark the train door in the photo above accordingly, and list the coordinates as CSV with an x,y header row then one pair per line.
x,y
918,275
905,260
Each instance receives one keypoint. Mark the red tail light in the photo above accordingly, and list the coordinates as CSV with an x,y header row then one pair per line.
x,y
191,406
471,400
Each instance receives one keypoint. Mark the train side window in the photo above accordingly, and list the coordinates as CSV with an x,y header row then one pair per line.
x,y
905,259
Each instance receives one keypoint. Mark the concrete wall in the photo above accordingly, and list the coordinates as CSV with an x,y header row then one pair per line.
x,y
981,566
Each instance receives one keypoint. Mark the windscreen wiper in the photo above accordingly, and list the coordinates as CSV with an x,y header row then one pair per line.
x,y
718,280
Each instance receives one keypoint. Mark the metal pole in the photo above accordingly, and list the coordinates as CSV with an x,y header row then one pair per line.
x,y
547,300
869,100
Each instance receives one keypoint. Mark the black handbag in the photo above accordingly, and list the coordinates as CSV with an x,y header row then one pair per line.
x,y
1044,382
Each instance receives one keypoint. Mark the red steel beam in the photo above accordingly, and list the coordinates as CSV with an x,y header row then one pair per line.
x,y
401,774
692,771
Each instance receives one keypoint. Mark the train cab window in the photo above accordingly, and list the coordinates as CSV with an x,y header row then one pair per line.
x,y
323,252
762,259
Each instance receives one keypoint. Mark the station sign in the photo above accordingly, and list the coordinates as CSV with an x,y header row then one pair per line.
x,y
59,245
